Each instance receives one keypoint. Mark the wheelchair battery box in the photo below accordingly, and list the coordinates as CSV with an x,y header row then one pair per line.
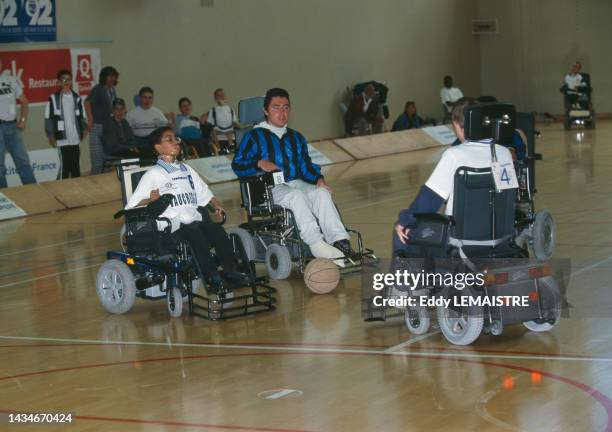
x,y
430,231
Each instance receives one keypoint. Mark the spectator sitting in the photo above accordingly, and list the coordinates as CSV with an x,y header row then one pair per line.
x,y
145,118
189,128
574,86
449,96
362,114
66,124
409,119
117,137
223,119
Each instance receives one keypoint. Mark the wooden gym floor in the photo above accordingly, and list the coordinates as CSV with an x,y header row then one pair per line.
x,y
312,365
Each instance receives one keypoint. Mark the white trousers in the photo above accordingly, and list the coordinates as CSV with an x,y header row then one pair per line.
x,y
310,203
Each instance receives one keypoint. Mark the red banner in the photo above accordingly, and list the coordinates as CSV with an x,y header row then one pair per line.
x,y
36,71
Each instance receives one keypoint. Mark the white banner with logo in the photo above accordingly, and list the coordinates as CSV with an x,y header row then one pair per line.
x,y
45,164
8,209
443,134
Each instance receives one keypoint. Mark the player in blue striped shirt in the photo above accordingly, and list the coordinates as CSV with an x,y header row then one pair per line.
x,y
272,146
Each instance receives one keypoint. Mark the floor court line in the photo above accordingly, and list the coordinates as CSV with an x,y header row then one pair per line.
x,y
49,275
58,244
247,347
411,341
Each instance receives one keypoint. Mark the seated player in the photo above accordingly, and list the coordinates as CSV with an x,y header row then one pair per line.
x,y
170,176
409,119
272,146
438,189
224,121
574,87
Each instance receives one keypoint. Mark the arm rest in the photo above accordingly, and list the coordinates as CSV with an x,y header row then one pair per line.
x,y
211,209
433,217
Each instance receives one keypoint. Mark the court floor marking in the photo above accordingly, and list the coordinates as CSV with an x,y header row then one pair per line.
x,y
59,244
317,350
49,275
411,341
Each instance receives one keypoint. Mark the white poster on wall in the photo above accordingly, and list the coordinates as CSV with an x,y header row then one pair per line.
x,y
443,134
214,169
45,164
8,209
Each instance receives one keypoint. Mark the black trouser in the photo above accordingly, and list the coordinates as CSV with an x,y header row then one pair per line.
x,y
201,236
70,155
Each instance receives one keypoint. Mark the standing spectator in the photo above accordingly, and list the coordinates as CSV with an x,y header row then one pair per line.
x,y
223,119
11,125
66,124
189,128
145,118
98,107
362,114
117,136
409,119
449,96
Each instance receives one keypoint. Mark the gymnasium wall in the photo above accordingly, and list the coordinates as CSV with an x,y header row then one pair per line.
x,y
537,41
314,48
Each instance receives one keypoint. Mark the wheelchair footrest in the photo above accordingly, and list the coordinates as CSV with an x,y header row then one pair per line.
x,y
250,300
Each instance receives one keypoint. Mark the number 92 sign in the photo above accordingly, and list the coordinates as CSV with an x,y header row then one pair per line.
x,y
27,21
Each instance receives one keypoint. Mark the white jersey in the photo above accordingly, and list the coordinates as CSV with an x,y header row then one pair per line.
x,y
180,180
452,95
144,121
468,154
222,117
574,81
10,91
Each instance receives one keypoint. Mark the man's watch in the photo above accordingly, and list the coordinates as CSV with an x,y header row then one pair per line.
x,y
23,120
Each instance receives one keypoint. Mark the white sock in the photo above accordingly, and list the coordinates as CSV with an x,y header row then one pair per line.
x,y
321,249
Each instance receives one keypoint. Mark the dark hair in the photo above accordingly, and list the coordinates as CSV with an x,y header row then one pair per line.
x,y
63,72
144,90
106,72
274,92
217,91
183,99
408,104
458,113
154,137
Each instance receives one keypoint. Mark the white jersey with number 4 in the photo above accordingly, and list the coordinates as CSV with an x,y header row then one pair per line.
x,y
468,154
180,180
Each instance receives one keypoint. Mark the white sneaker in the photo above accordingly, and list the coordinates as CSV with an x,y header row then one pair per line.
x,y
324,250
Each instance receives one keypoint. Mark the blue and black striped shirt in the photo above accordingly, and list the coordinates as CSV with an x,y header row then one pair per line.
x,y
289,153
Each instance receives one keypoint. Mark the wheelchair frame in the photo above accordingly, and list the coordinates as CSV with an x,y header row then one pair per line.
x,y
168,269
489,319
266,220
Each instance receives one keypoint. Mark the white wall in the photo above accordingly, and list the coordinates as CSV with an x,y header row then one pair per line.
x,y
313,48
538,40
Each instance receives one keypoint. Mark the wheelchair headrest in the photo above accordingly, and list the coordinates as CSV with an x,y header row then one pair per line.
x,y
480,121
251,111
157,207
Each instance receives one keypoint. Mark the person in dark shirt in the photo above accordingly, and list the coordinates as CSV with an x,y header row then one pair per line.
x,y
117,137
409,119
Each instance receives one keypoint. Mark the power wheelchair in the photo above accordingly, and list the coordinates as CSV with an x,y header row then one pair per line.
x,y
271,235
578,105
491,233
154,265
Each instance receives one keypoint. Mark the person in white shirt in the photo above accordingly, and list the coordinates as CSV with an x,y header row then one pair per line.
x,y
66,125
190,193
145,118
449,95
223,119
11,125
438,189
574,86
